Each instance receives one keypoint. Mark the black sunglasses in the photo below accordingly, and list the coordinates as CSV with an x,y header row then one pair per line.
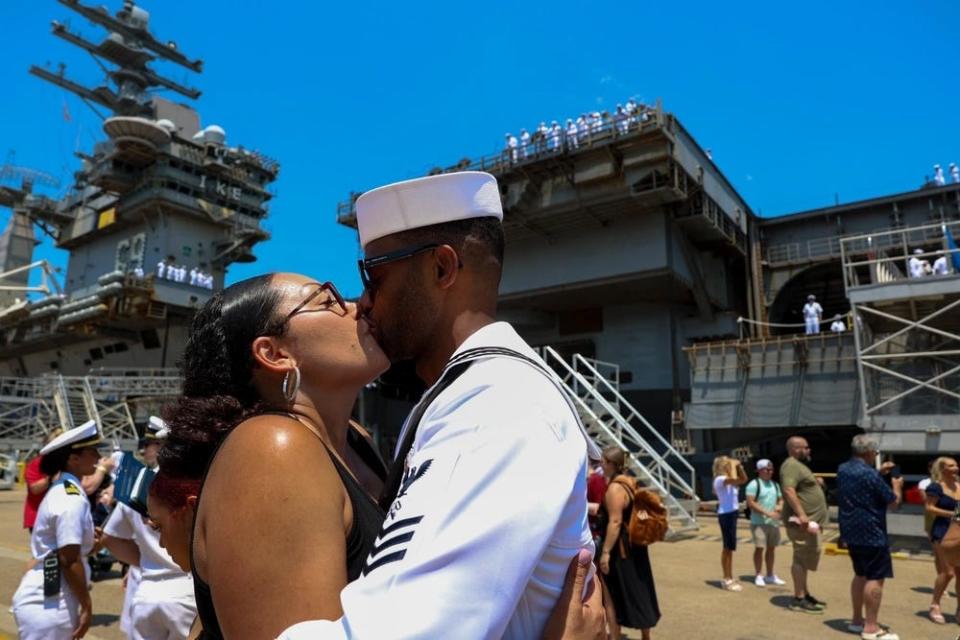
x,y
365,265
320,288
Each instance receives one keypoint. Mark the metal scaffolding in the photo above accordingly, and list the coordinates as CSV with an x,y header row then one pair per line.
x,y
907,329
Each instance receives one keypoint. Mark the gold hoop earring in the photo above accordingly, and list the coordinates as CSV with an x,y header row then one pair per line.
x,y
290,390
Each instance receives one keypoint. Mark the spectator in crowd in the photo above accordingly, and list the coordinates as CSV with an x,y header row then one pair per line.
x,y
805,514
628,576
940,267
728,477
38,483
892,476
524,143
838,325
765,502
938,178
954,173
863,499
812,314
942,495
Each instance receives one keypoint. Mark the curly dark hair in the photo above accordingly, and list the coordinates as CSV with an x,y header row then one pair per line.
x,y
218,391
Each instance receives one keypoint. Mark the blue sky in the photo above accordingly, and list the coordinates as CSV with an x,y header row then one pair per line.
x,y
799,105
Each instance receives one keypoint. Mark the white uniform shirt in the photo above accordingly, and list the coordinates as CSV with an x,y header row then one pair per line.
x,y
940,266
478,541
63,519
838,326
917,269
812,310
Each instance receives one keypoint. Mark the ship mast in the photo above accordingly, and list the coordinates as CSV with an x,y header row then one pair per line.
x,y
132,48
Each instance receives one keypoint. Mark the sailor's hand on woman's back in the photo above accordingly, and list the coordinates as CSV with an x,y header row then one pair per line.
x,y
270,532
576,617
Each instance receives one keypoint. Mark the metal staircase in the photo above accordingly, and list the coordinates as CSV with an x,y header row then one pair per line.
x,y
612,421
30,408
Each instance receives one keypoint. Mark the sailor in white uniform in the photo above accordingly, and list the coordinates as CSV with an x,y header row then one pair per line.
x,y
917,265
938,176
556,135
524,143
583,129
162,604
940,267
954,173
511,148
571,135
838,325
53,599
812,312
489,482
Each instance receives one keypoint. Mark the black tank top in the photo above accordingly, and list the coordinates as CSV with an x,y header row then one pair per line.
x,y
367,519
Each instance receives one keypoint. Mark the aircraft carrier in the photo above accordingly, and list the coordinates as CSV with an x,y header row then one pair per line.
x,y
157,212
673,311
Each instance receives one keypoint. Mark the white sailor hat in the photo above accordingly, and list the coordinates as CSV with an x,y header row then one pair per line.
x,y
918,251
156,429
86,435
422,202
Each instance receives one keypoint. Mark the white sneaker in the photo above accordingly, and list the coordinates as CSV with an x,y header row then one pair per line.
x,y
759,581
774,579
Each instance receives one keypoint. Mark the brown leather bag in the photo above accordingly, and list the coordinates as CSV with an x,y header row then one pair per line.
x,y
648,521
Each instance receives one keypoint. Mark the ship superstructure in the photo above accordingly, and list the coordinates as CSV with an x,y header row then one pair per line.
x,y
158,211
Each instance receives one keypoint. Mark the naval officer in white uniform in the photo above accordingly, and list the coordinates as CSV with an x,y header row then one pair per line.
x,y
486,503
53,599
159,598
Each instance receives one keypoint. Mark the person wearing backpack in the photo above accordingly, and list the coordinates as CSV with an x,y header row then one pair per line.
x,y
625,565
765,502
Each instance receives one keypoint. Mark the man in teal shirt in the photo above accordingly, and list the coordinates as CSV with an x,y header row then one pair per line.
x,y
765,502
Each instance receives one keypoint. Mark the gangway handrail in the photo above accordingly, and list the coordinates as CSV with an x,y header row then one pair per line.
x,y
634,413
661,463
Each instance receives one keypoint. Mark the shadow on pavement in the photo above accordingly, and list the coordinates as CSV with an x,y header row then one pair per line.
x,y
838,624
782,601
103,619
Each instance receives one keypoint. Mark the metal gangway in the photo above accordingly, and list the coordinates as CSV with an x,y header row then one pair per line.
x,y
30,408
612,421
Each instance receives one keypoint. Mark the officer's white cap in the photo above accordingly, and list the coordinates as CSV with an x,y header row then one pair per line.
x,y
156,429
86,435
426,201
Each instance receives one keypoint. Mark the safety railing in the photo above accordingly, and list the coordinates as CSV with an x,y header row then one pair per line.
x,y
609,427
898,254
545,145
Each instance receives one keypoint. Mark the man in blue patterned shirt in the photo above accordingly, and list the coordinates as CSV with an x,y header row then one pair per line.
x,y
863,499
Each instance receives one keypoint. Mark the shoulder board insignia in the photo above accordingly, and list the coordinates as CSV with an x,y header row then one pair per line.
x,y
71,489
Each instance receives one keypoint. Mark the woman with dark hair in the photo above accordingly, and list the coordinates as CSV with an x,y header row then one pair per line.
x,y
53,599
626,568
262,456
272,369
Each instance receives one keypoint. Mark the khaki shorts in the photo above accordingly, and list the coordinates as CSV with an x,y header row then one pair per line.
x,y
765,535
806,547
